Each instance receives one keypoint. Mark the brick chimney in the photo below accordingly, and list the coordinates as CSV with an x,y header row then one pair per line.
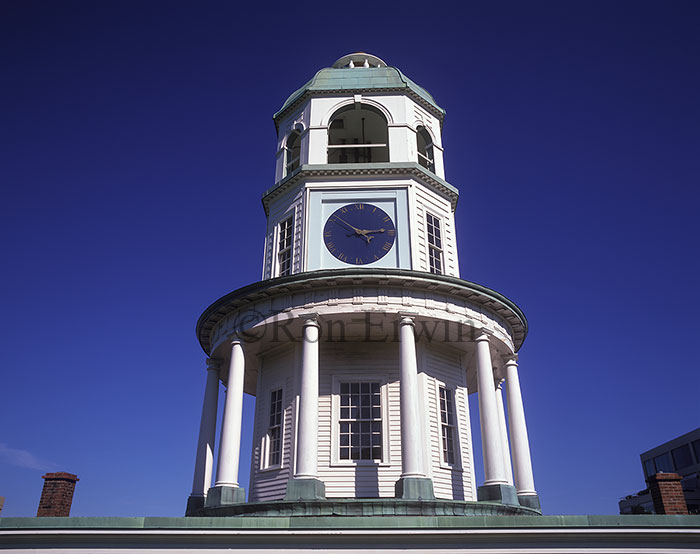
x,y
57,495
667,493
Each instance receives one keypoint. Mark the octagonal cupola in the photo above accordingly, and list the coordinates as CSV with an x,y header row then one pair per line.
x,y
360,134
359,110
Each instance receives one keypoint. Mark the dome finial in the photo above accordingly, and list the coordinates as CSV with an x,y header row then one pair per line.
x,y
359,59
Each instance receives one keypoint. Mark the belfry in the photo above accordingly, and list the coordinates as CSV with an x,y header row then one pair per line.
x,y
361,343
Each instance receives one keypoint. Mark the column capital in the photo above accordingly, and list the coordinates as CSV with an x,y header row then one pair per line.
x,y
500,383
310,318
510,359
483,334
213,364
406,319
235,340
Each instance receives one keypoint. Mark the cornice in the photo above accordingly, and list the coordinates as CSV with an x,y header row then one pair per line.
x,y
486,298
412,169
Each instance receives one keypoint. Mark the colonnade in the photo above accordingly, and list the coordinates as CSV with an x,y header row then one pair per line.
x,y
497,459
494,439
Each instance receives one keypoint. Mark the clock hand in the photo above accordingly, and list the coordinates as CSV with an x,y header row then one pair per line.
x,y
358,231
365,231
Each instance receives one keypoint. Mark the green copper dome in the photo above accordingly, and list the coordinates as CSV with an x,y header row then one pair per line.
x,y
361,72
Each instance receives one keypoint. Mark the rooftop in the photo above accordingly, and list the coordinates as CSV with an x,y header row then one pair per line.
x,y
361,72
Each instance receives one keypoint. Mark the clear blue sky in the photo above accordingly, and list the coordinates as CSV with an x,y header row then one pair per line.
x,y
137,140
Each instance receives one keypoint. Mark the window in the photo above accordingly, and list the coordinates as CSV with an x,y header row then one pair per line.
x,y
274,432
425,149
447,420
284,254
682,457
434,244
358,134
696,447
664,463
292,152
660,463
360,422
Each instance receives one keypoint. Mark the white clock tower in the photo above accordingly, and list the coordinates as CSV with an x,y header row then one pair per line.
x,y
361,343
360,132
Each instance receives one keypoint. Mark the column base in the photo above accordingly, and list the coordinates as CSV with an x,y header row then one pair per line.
x,y
194,503
224,495
305,489
503,494
530,501
414,488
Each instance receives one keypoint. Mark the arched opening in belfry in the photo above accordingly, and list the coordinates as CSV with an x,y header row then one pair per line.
x,y
358,134
424,141
292,152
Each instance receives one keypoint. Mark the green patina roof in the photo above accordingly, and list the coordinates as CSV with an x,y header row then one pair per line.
x,y
347,79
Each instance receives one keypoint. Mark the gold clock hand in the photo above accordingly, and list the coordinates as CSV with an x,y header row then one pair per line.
x,y
358,231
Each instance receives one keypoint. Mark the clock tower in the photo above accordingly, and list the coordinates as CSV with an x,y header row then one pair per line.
x,y
360,138
361,343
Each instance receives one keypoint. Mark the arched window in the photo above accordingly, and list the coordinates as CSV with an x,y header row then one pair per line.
x,y
425,149
292,152
358,134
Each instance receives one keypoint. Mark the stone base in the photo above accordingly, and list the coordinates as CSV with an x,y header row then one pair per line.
x,y
224,495
305,489
334,509
503,494
530,501
194,503
414,488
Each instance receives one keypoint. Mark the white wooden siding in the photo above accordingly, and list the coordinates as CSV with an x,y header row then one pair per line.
x,y
268,250
282,208
367,362
428,201
277,370
442,367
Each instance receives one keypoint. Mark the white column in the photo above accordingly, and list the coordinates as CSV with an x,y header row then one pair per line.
x,y
519,444
207,432
411,453
492,448
230,444
307,439
504,432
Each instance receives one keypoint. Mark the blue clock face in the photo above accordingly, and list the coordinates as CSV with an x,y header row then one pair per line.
x,y
359,233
